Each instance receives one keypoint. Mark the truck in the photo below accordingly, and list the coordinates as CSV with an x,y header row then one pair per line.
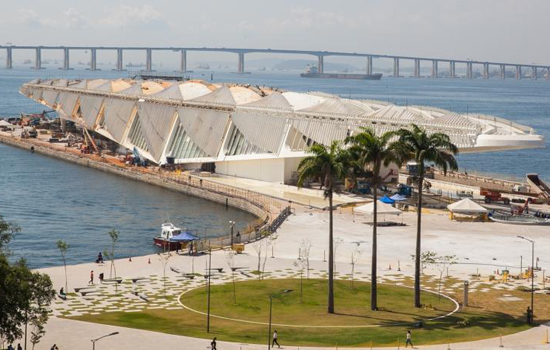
x,y
493,196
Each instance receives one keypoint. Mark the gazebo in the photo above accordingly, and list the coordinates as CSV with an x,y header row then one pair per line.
x,y
468,208
381,209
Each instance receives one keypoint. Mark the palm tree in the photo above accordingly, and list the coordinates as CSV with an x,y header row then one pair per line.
x,y
436,148
329,164
369,150
63,247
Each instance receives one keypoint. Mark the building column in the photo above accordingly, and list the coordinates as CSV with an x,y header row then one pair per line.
x,y
416,68
66,65
320,64
518,72
434,69
183,61
119,60
38,59
469,70
396,67
485,70
502,71
369,65
93,59
148,60
534,73
9,60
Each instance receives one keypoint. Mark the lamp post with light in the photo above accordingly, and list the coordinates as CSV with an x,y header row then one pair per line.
x,y
232,225
271,313
105,336
532,275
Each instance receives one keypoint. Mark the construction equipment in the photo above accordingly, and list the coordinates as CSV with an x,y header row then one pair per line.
x,y
538,186
138,160
493,196
404,190
91,141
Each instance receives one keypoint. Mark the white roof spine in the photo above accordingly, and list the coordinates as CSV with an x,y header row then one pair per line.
x,y
156,121
206,128
68,101
266,132
116,114
89,107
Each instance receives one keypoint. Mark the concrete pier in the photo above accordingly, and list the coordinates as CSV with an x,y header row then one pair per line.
x,y
9,59
183,61
452,65
38,59
240,65
148,60
369,65
119,60
396,67
534,73
547,73
469,70
434,69
518,72
93,59
485,70
417,68
320,64
66,64
502,71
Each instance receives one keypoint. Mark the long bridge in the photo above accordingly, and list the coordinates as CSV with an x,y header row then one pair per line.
x,y
532,70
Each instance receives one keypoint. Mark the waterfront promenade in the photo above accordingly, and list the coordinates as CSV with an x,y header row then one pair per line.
x,y
395,246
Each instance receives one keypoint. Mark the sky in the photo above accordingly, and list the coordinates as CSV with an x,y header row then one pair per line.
x,y
492,30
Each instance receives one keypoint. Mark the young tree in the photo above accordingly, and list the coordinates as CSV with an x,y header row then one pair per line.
x,y
258,247
440,262
113,234
230,260
164,257
63,247
329,164
37,329
354,257
301,264
305,250
435,148
371,151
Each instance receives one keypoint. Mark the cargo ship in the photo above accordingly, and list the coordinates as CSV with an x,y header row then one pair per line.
x,y
313,72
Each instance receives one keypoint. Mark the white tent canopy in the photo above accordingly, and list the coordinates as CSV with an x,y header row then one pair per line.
x,y
381,209
466,206
4,123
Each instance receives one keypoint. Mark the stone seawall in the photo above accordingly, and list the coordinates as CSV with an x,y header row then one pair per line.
x,y
202,188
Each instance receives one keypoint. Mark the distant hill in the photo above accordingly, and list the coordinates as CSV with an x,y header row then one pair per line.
x,y
301,65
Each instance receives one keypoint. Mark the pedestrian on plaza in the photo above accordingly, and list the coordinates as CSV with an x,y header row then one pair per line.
x,y
91,277
409,340
213,344
19,347
10,347
275,336
101,277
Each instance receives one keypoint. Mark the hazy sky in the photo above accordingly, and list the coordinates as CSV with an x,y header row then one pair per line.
x,y
503,30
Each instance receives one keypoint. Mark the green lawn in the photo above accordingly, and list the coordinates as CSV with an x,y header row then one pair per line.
x,y
351,310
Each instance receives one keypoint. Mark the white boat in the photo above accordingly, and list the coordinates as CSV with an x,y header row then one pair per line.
x,y
520,220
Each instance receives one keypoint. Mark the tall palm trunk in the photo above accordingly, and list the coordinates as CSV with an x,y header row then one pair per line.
x,y
330,257
374,291
418,241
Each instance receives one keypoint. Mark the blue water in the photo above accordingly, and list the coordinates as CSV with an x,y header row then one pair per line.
x,y
52,200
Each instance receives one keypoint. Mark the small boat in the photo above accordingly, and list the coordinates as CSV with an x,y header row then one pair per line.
x,y
520,220
171,237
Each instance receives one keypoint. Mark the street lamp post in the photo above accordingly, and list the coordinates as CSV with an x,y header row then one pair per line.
x,y
105,336
271,313
208,306
532,275
232,224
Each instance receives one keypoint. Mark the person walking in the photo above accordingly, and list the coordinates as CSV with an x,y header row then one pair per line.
x,y
275,336
409,340
213,344
19,347
91,277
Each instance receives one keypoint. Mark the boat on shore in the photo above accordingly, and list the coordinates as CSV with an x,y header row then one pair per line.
x,y
520,220
313,72
172,237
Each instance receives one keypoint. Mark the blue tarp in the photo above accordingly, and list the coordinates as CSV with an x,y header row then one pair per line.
x,y
185,236
387,200
397,197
